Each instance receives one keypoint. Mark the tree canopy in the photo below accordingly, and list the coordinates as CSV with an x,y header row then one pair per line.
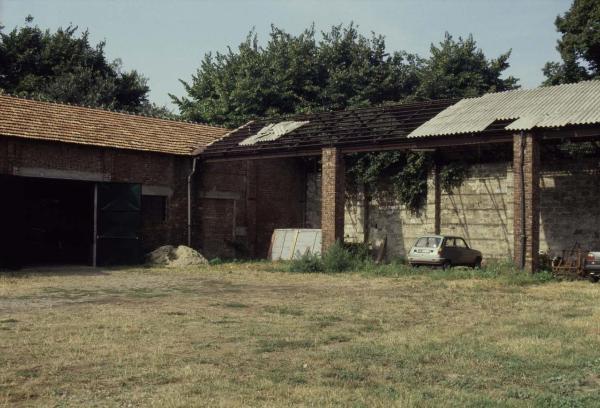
x,y
293,74
342,69
458,68
63,66
579,45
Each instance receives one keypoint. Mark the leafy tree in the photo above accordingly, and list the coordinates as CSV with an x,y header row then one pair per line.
x,y
63,66
293,74
579,45
460,69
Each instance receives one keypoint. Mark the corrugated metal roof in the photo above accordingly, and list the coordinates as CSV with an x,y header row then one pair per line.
x,y
544,107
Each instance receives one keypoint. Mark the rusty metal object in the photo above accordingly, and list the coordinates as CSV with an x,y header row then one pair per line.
x,y
571,263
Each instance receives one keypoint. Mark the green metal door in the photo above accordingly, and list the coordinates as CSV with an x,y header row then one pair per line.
x,y
118,222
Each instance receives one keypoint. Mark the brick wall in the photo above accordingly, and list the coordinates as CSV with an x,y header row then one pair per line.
x,y
115,166
240,203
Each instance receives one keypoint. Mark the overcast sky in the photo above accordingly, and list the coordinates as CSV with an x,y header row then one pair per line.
x,y
166,39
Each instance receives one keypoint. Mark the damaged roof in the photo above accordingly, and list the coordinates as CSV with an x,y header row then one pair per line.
x,y
32,119
543,107
372,126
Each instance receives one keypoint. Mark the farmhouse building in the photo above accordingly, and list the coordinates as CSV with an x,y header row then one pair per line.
x,y
98,187
91,186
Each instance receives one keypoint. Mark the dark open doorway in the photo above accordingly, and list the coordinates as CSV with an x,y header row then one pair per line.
x,y
46,221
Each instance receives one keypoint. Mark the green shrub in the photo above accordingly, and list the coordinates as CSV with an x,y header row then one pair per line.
x,y
359,251
216,261
338,259
307,263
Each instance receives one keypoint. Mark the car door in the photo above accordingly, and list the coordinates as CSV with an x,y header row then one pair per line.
x,y
450,251
464,253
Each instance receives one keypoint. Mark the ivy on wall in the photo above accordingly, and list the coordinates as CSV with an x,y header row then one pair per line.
x,y
399,177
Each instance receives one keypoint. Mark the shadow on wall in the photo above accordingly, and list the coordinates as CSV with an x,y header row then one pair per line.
x,y
389,221
481,210
313,200
569,210
383,220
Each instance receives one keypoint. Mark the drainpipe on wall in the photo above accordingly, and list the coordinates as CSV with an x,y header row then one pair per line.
x,y
189,202
523,201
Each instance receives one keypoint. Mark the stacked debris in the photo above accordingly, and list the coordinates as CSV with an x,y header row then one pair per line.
x,y
170,256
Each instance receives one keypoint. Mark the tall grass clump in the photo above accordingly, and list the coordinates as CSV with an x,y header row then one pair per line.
x,y
336,259
339,259
307,263
356,258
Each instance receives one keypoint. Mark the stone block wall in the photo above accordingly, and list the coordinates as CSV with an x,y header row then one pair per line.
x,y
569,205
481,210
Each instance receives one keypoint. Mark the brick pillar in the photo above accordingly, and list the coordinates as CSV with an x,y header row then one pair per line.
x,y
251,185
527,189
437,199
332,196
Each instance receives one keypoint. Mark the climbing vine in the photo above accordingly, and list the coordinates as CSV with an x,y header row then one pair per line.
x,y
389,177
399,176
453,174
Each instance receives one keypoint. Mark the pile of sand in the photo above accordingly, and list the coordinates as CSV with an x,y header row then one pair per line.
x,y
175,257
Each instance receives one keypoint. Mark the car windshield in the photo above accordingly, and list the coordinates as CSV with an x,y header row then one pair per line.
x,y
428,242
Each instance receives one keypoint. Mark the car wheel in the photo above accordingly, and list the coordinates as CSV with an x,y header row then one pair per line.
x,y
593,278
446,265
477,264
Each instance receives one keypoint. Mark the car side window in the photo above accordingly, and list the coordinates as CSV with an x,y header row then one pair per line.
x,y
450,243
428,242
461,243
433,242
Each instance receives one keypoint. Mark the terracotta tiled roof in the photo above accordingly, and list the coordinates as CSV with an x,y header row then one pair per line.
x,y
33,119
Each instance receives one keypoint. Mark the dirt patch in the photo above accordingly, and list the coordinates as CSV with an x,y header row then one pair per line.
x,y
175,257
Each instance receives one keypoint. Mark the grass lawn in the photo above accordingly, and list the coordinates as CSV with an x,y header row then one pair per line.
x,y
247,335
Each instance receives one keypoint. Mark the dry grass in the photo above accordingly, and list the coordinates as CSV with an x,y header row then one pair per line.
x,y
237,335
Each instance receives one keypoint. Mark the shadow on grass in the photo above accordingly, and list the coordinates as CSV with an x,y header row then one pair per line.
x,y
59,270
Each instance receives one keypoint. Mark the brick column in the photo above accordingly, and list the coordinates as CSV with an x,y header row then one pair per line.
x,y
250,195
526,189
332,196
437,199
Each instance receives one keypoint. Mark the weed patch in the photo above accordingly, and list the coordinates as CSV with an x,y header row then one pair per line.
x,y
236,305
284,310
272,345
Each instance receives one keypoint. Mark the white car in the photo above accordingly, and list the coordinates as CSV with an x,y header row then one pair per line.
x,y
445,251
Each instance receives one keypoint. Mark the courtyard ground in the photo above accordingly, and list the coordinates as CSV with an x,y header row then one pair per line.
x,y
247,335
